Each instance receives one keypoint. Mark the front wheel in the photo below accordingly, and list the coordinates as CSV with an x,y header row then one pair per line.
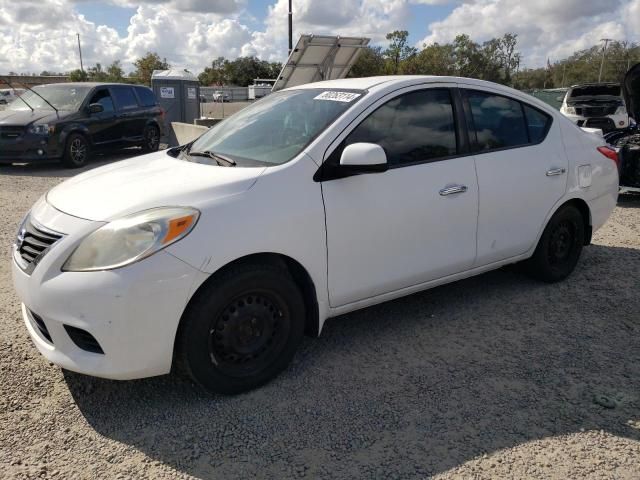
x,y
150,139
559,247
76,152
242,329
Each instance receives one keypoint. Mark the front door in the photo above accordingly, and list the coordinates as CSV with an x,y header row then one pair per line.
x,y
102,126
415,222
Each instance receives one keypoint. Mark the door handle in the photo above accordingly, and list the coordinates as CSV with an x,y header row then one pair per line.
x,y
453,189
555,171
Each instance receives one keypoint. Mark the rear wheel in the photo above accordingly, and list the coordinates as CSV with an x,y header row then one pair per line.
x,y
242,329
559,247
150,139
76,152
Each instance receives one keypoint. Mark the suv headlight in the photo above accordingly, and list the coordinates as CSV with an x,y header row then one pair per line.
x,y
41,128
570,110
131,238
621,110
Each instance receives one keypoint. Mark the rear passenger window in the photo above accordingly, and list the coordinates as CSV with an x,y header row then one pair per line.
x,y
414,127
499,121
537,122
146,97
124,98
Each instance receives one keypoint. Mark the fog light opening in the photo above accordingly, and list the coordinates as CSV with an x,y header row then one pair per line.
x,y
40,151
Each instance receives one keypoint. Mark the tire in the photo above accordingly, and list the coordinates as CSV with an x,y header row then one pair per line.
x,y
559,247
150,139
242,329
76,151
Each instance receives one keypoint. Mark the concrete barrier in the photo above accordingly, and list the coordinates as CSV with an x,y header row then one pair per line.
x,y
184,133
207,122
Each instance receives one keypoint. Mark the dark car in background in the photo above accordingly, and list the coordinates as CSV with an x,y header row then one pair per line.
x,y
68,121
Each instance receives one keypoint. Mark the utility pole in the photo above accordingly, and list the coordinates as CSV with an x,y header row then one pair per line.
x,y
604,52
80,52
290,28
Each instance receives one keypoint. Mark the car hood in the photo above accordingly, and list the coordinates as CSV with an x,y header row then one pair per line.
x,y
631,91
148,181
26,117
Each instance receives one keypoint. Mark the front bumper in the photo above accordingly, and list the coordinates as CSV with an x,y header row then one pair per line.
x,y
29,147
132,312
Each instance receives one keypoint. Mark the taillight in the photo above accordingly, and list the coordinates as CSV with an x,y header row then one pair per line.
x,y
162,113
611,154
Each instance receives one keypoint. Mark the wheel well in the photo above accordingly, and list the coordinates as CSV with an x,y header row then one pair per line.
x,y
583,208
296,270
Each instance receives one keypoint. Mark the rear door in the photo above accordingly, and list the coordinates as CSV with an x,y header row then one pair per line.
x,y
127,112
522,172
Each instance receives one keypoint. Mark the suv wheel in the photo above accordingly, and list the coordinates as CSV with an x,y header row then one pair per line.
x,y
151,139
559,247
242,329
76,152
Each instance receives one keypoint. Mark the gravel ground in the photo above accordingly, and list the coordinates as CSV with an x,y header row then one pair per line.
x,y
492,377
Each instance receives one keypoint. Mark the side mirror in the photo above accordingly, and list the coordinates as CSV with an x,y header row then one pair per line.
x,y
96,108
363,158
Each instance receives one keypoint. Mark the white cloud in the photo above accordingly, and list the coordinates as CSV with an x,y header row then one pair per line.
x,y
545,29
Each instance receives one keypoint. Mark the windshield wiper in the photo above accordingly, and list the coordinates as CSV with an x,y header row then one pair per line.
x,y
33,91
6,80
220,159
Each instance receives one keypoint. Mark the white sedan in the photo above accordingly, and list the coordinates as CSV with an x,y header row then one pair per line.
x,y
314,201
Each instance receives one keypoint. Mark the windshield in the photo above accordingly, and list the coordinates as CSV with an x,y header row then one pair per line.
x,y
60,96
276,128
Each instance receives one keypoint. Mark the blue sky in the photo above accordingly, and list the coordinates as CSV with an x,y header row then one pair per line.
x,y
37,35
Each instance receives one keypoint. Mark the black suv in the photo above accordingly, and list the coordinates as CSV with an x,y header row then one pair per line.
x,y
66,121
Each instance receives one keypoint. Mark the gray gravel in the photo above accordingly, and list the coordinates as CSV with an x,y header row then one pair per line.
x,y
492,377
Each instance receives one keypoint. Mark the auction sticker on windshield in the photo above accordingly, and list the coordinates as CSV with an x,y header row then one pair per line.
x,y
337,96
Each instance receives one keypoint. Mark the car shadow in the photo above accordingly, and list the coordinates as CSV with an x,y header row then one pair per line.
x,y
56,169
629,200
408,388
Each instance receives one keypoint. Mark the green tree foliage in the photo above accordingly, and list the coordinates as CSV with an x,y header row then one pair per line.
x,y
496,60
241,71
398,50
146,65
78,75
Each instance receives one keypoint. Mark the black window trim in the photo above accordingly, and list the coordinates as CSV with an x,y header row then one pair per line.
x,y
327,171
113,88
474,146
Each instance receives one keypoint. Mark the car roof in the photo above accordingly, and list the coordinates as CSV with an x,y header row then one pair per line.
x,y
90,84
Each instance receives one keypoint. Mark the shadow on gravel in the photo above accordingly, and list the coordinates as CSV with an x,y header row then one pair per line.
x,y
409,388
629,200
56,169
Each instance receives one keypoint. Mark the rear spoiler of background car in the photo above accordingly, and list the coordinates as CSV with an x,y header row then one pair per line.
x,y
596,131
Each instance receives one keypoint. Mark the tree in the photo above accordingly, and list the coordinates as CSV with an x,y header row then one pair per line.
x,y
78,75
370,62
241,71
96,74
398,50
146,65
115,73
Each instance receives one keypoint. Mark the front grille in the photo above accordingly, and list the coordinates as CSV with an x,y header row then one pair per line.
x,y
83,339
34,242
36,321
11,132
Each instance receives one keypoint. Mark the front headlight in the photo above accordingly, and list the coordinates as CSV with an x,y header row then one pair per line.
x,y
570,110
621,110
41,128
131,238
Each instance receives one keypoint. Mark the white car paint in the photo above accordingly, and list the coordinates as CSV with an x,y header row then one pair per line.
x,y
362,239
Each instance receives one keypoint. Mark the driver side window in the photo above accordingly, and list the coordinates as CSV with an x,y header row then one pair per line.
x,y
103,98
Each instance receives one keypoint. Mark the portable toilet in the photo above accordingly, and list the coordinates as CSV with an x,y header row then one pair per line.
x,y
178,93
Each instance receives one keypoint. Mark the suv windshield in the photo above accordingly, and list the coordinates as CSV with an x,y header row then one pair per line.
x,y
276,128
60,96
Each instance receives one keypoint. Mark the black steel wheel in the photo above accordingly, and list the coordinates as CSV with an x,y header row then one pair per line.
x,y
76,153
241,329
151,139
559,247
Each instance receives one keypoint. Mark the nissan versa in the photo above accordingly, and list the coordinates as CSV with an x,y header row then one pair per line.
x,y
217,256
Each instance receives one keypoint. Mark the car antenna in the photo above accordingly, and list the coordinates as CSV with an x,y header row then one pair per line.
x,y
33,91
11,86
